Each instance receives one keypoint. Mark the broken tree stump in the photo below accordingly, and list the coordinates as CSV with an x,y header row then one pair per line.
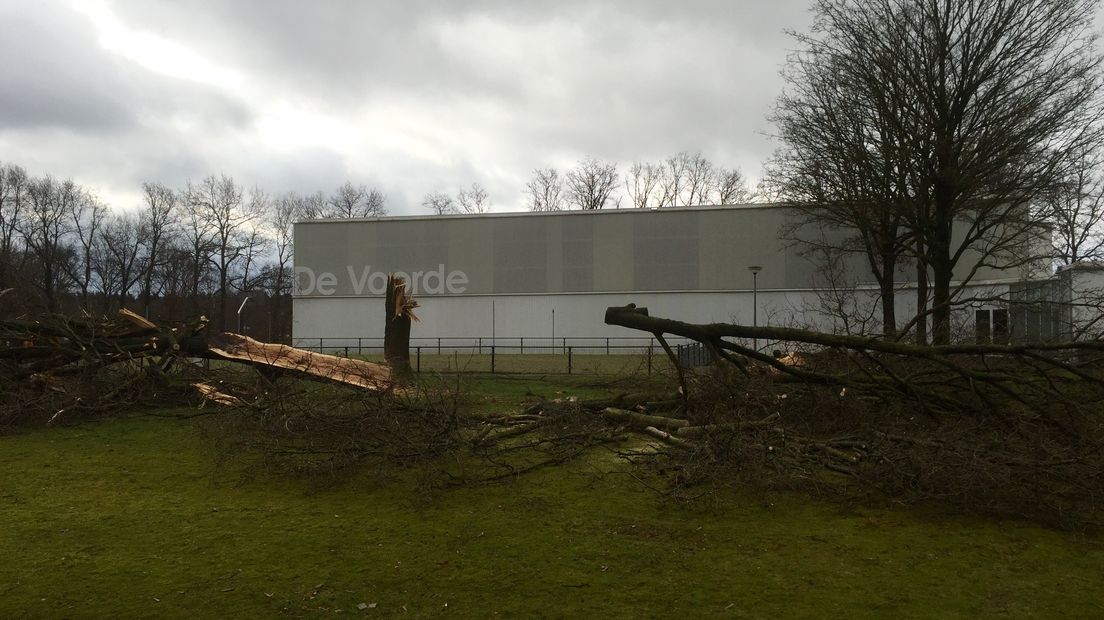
x,y
398,308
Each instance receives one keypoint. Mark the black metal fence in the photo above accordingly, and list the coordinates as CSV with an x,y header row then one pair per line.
x,y
523,355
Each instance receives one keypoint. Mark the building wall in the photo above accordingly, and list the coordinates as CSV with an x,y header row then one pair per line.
x,y
505,274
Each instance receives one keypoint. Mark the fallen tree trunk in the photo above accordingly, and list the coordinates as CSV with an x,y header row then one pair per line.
x,y
57,345
357,373
976,378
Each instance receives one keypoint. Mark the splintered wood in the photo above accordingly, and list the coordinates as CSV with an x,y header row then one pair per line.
x,y
357,373
53,345
399,309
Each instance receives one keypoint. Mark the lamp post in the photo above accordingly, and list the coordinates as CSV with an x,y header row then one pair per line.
x,y
755,269
240,308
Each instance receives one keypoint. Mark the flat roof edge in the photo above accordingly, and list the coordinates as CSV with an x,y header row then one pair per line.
x,y
565,213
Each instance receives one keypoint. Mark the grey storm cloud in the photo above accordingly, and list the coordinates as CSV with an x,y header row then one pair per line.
x,y
412,97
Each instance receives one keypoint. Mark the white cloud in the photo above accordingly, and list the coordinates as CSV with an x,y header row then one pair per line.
x,y
411,97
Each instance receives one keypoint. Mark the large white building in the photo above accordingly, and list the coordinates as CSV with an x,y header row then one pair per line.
x,y
549,276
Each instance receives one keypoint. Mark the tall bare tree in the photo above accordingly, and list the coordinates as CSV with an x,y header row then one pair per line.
x,y
473,200
731,188
546,191
840,148
13,199
219,208
118,255
280,220
641,182
158,223
45,230
986,101
590,185
356,201
86,215
439,203
1076,212
700,180
672,182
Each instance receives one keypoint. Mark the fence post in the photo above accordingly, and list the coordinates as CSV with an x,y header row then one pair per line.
x,y
492,359
522,345
419,351
569,360
607,346
319,345
481,346
438,346
346,351
649,360
359,352
565,345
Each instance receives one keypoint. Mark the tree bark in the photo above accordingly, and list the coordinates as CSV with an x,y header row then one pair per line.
x,y
398,307
888,295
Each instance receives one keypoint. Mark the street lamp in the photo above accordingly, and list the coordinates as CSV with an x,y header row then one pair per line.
x,y
240,308
755,269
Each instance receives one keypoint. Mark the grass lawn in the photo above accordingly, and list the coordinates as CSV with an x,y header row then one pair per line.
x,y
133,517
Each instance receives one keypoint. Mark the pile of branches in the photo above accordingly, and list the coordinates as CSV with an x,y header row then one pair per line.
x,y
1006,430
55,367
324,432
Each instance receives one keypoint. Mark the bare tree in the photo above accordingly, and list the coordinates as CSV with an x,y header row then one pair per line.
x,y
641,182
313,206
158,223
439,203
1076,211
730,187
546,192
700,180
218,206
86,215
280,220
835,122
356,201
591,184
473,200
118,258
13,198
980,107
255,244
44,232
672,183
189,261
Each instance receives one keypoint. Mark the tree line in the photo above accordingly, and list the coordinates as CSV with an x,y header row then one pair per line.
x,y
195,250
681,180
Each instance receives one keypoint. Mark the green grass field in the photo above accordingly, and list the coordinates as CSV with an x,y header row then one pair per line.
x,y
136,518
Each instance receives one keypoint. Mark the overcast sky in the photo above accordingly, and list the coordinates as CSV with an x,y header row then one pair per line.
x,y
410,97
